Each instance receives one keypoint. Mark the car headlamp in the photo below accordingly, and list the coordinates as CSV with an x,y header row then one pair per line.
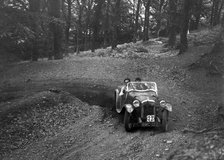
x,y
136,103
129,108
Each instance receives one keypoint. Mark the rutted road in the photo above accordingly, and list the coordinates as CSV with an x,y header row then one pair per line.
x,y
101,134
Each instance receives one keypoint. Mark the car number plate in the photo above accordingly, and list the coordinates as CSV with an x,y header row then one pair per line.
x,y
150,118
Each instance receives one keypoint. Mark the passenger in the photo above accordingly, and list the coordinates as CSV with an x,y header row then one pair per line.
x,y
140,86
123,88
138,79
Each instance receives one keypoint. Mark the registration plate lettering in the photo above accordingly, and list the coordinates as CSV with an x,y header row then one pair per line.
x,y
150,118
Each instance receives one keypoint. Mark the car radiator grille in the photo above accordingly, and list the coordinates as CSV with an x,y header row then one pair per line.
x,y
147,109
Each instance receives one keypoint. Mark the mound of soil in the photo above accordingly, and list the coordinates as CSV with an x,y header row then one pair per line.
x,y
38,116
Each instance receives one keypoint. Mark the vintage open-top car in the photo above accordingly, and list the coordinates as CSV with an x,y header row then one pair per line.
x,y
141,106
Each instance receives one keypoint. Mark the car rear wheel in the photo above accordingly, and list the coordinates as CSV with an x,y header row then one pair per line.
x,y
164,121
127,121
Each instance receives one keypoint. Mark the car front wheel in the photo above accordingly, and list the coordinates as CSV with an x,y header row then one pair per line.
x,y
127,121
165,121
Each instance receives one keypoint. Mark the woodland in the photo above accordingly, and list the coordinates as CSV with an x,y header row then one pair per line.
x,y
61,61
32,29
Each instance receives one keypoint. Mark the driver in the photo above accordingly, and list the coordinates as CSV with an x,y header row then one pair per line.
x,y
123,88
138,79
140,86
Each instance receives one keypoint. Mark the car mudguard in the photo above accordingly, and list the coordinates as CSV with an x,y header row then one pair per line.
x,y
117,101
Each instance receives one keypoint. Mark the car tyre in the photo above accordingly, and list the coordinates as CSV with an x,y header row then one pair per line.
x,y
127,121
164,121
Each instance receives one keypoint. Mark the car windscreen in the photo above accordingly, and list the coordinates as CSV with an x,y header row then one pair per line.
x,y
141,86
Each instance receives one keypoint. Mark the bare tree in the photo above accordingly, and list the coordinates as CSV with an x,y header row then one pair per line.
x,y
198,13
185,26
116,23
222,21
106,26
220,10
217,6
172,22
55,27
81,5
68,19
34,7
97,16
87,37
136,21
146,24
161,3
215,12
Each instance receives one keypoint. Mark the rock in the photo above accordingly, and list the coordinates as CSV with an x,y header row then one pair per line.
x,y
157,155
212,146
169,141
189,115
167,149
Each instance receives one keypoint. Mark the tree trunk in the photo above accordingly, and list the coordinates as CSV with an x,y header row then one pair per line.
x,y
34,7
212,14
116,23
146,24
216,10
172,23
198,13
68,22
79,25
220,10
106,25
96,24
160,15
185,26
54,11
87,40
136,21
215,17
222,22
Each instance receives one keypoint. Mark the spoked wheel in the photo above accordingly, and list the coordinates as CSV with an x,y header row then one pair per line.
x,y
164,121
127,121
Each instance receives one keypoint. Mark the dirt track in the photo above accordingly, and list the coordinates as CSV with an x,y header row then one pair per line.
x,y
101,135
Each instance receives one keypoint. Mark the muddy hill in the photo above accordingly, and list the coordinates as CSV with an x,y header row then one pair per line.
x,y
62,109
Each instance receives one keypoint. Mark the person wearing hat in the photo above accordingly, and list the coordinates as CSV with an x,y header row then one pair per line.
x,y
123,88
